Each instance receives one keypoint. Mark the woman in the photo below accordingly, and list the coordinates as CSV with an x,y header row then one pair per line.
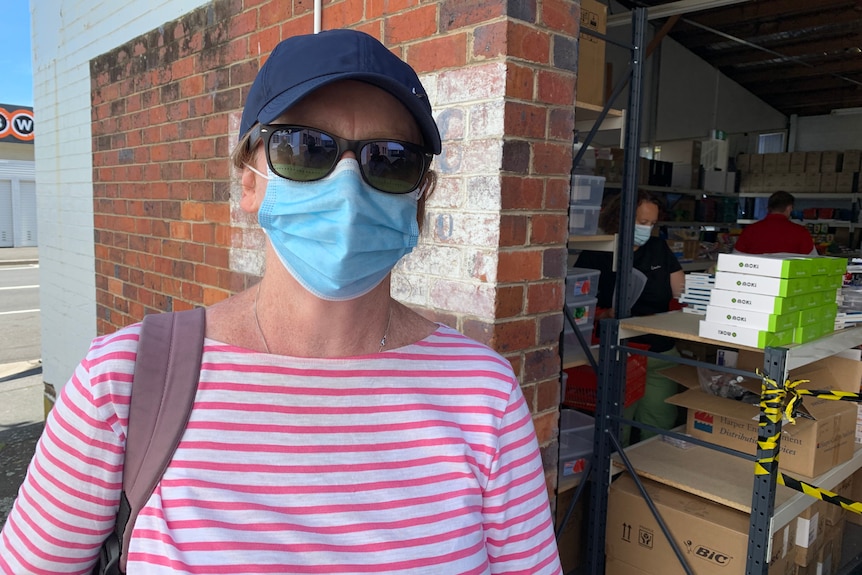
x,y
665,280
334,430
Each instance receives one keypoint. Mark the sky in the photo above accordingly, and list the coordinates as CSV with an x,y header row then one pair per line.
x,y
16,64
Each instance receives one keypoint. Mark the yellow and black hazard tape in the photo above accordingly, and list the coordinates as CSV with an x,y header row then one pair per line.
x,y
819,493
771,403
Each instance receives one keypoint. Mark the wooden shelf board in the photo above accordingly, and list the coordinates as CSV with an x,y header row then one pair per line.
x,y
680,325
587,112
681,191
729,480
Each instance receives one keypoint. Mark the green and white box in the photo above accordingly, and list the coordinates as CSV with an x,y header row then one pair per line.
x,y
812,332
816,315
743,335
782,287
755,302
827,266
827,282
817,299
752,319
775,265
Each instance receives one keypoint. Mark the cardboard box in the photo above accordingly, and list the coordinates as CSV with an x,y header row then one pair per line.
x,y
834,372
591,54
572,541
714,181
856,492
830,162
756,163
680,152
828,183
777,266
754,302
812,183
808,448
812,162
770,163
743,163
797,162
746,283
744,336
852,160
713,538
847,182
752,319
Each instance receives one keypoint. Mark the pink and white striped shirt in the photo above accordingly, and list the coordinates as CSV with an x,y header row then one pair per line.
x,y
421,459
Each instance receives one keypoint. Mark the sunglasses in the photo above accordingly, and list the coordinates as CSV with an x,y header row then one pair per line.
x,y
305,154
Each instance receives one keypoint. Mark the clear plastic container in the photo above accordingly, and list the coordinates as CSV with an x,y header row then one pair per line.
x,y
572,348
582,282
582,310
583,220
587,190
576,442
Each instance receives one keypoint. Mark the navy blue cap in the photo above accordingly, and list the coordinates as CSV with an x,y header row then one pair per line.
x,y
301,64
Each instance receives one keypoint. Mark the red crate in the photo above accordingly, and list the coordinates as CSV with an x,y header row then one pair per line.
x,y
582,382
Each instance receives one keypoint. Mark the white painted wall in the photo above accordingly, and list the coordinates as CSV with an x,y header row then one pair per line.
x,y
820,133
66,34
691,97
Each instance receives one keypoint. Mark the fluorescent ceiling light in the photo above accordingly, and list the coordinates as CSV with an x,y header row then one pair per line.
x,y
672,9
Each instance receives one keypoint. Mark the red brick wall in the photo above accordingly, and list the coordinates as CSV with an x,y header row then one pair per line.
x,y
165,108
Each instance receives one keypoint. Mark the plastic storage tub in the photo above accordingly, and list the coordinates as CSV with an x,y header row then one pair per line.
x,y
582,282
582,311
583,220
587,190
572,348
582,382
576,442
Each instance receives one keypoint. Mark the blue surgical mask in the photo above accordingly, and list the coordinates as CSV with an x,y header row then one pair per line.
x,y
338,237
642,234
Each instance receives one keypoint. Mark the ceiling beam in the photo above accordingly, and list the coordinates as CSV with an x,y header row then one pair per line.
x,y
756,30
672,9
796,72
764,9
799,50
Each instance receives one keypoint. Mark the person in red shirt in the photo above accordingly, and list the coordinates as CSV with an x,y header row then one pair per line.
x,y
776,233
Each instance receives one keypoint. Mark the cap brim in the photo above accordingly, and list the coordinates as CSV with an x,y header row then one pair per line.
x,y
414,104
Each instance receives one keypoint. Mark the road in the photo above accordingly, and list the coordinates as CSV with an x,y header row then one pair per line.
x,y
19,313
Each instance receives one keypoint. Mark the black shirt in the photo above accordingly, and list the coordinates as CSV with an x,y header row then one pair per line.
x,y
657,262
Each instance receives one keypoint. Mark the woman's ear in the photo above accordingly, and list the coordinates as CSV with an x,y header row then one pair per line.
x,y
249,200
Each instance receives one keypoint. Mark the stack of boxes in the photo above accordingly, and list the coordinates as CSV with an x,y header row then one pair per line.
x,y
808,172
773,300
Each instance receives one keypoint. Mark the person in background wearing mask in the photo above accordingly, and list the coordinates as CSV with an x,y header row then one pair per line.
x,y
665,281
334,429
776,234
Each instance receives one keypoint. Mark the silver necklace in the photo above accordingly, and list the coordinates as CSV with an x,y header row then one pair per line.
x,y
257,320
386,331
266,345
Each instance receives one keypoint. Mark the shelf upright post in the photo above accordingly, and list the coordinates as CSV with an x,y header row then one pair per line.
x,y
628,206
609,403
612,364
766,467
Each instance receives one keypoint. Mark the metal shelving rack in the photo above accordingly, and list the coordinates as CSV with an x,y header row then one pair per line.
x,y
612,360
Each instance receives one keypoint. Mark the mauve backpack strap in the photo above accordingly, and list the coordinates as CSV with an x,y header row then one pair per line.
x,y
167,371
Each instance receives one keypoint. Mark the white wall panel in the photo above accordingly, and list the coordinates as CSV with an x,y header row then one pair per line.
x,y
67,34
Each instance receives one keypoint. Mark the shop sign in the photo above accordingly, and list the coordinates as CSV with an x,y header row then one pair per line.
x,y
16,124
